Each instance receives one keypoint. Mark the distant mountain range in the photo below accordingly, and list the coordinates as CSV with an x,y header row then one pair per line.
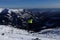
x,y
42,18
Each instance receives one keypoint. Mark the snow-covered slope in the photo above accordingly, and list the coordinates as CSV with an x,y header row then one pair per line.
x,y
10,33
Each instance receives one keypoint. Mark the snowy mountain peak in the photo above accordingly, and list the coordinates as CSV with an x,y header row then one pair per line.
x,y
1,9
11,10
15,10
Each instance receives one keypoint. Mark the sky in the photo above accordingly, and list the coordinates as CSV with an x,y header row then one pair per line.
x,y
30,3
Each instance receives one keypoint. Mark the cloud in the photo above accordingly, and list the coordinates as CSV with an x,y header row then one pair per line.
x,y
53,5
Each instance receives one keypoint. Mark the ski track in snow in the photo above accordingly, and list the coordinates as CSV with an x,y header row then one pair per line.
x,y
10,33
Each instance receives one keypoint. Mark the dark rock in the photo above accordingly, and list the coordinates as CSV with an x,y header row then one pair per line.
x,y
36,39
2,34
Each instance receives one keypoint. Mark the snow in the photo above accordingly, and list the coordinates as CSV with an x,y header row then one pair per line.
x,y
16,10
1,9
7,32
